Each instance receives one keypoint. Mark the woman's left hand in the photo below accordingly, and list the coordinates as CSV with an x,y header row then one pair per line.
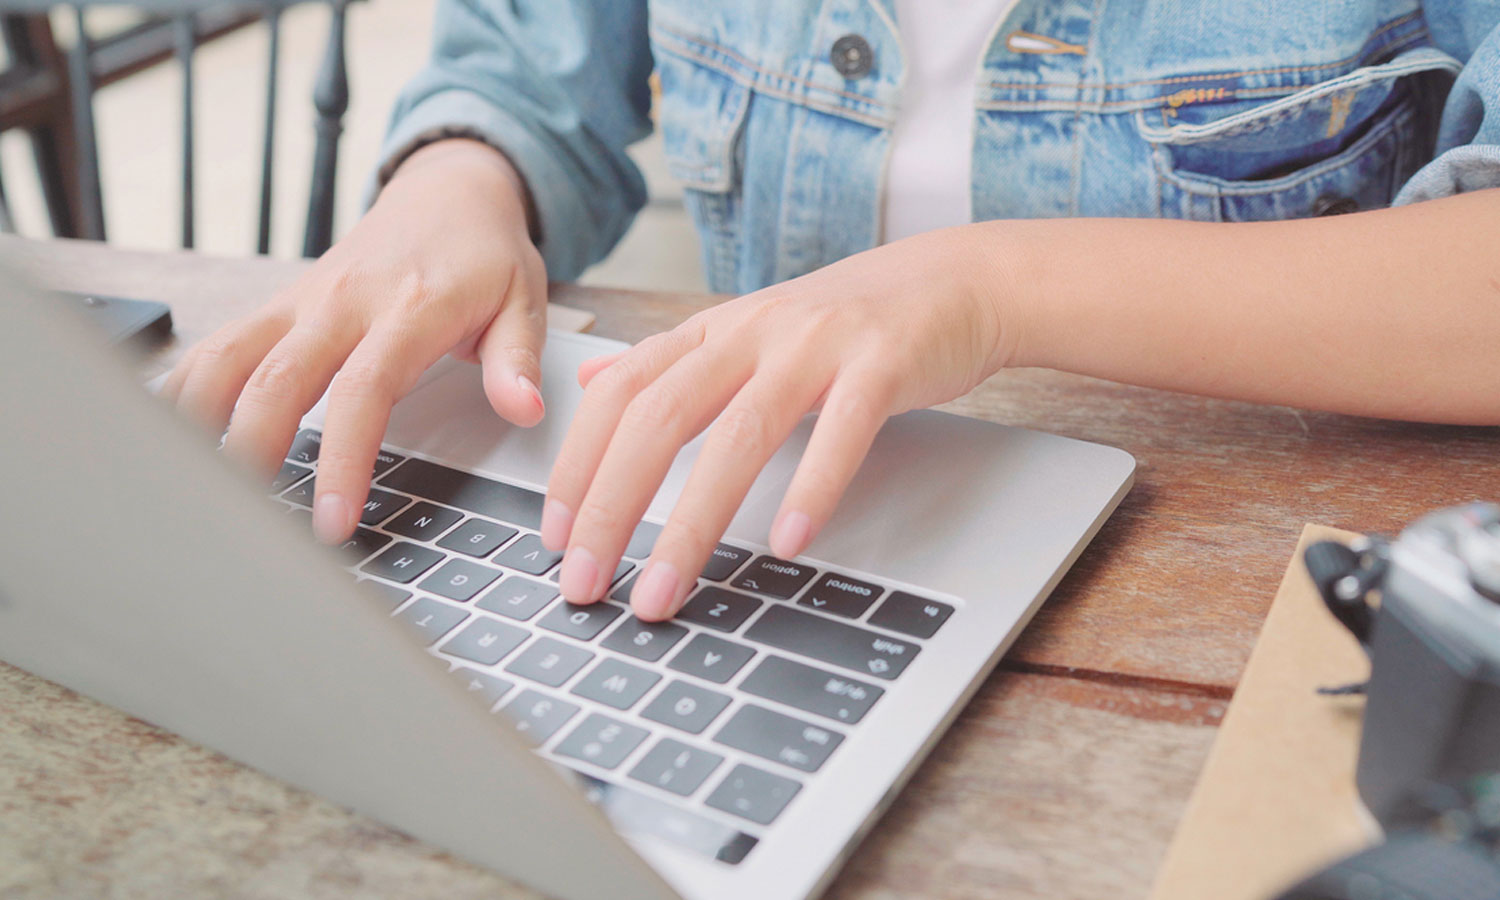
x,y
907,325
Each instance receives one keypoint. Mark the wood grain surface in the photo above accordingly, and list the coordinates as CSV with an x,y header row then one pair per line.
x,y
1062,779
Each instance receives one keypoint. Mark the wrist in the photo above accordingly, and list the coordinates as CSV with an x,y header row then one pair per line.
x,y
477,166
991,260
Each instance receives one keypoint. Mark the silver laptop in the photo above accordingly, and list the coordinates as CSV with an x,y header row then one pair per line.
x,y
740,751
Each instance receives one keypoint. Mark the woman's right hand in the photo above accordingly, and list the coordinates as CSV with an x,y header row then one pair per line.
x,y
443,262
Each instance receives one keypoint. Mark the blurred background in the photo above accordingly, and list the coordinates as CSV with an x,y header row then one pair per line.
x,y
137,107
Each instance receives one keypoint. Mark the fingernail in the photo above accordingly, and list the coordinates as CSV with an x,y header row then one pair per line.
x,y
790,534
331,518
529,387
557,523
580,576
656,596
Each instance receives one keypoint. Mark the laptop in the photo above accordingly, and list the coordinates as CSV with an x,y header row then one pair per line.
x,y
428,675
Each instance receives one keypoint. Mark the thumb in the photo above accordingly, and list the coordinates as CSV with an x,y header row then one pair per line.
x,y
510,350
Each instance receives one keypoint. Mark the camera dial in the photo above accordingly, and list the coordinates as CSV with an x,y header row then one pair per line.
x,y
1479,548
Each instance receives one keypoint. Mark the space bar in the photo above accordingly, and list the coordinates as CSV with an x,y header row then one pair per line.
x,y
473,493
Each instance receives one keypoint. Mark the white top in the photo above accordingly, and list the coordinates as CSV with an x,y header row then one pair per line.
x,y
929,174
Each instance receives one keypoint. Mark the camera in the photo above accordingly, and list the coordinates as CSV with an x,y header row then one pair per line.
x,y
1426,607
1432,712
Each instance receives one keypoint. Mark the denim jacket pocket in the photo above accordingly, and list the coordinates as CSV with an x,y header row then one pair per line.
x,y
702,115
1343,144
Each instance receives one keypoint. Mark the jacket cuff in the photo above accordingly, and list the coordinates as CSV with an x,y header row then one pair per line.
x,y
1473,167
457,113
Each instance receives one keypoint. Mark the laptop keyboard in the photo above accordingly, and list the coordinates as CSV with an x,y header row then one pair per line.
x,y
701,730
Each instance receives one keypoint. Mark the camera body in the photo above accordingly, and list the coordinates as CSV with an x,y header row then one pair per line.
x,y
1432,713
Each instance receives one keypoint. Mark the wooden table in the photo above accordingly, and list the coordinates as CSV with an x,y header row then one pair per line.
x,y
1063,778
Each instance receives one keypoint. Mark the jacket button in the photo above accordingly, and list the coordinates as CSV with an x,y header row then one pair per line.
x,y
1334,206
852,56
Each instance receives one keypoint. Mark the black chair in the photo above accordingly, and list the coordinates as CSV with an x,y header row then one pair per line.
x,y
39,70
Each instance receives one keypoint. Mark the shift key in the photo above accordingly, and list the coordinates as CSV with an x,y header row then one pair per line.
x,y
814,690
833,642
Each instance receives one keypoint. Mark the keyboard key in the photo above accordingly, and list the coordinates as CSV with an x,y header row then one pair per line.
x,y
459,580
473,493
841,595
485,641
751,794
537,716
616,683
362,543
387,595
582,622
549,661
644,640
305,446
793,742
711,658
290,474
718,608
621,569
432,618
423,522
811,690
833,642
622,593
774,577
477,537
487,688
723,562
635,812
676,767
642,540
601,741
402,562
528,555
517,597
301,494
686,706
910,614
385,461
381,505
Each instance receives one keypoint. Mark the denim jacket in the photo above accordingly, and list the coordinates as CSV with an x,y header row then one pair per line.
x,y
1212,110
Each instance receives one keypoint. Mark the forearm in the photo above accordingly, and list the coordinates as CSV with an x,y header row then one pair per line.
x,y
1393,313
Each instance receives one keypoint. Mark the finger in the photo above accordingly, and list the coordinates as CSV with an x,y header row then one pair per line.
x,y
510,349
857,406
598,414
209,380
288,381
380,371
739,445
663,416
591,367
171,389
